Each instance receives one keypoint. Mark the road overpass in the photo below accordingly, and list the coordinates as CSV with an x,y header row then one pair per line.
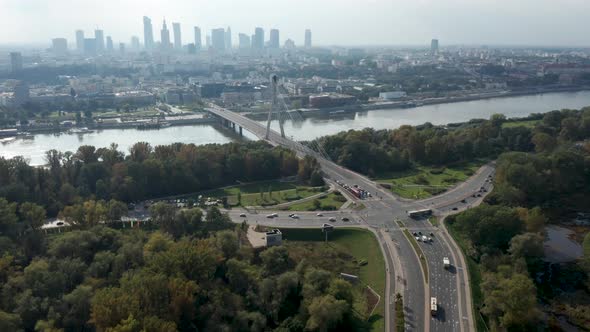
x,y
451,287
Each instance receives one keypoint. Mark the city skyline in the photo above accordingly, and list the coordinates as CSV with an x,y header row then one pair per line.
x,y
376,22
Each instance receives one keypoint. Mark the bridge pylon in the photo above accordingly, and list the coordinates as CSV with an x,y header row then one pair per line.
x,y
274,106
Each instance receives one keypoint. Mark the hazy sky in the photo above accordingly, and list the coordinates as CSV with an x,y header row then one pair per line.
x,y
333,22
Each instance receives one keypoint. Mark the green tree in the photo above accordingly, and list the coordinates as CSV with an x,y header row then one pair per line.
x,y
227,242
9,322
275,260
325,313
7,214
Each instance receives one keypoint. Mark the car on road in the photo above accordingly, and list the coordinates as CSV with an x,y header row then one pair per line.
x,y
454,208
319,215
418,239
295,216
431,234
345,219
332,219
242,215
270,216
420,233
463,201
424,238
415,234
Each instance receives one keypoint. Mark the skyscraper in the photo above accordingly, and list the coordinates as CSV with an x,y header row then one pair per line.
x,y
148,33
228,38
122,48
208,41
434,47
218,39
89,46
16,61
109,44
177,37
258,40
165,37
59,46
198,42
244,41
274,39
135,43
99,36
80,40
307,43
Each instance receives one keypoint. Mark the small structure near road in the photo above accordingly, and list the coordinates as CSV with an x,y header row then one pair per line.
x,y
264,239
274,238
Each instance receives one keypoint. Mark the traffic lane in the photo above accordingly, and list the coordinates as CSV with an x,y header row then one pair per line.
x,y
413,281
443,286
468,188
304,218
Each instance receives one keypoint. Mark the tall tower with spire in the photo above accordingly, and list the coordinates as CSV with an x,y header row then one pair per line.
x,y
165,37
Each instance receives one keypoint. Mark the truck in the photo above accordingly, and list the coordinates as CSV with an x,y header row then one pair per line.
x,y
446,262
433,306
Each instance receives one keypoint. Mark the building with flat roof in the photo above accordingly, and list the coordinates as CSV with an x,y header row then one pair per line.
x,y
434,47
99,37
244,41
218,39
198,42
274,238
307,43
80,40
165,37
148,33
258,39
274,39
177,36
16,61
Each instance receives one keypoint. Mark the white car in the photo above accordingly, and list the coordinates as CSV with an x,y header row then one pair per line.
x,y
424,238
295,216
418,239
319,215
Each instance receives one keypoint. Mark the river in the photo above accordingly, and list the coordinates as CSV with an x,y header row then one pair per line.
x,y
305,129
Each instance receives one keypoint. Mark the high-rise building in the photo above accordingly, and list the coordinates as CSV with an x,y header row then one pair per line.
x,y
198,42
59,46
289,44
307,43
122,48
177,37
244,41
165,37
228,38
434,46
135,43
218,39
80,40
191,48
208,41
21,93
274,39
148,33
89,46
258,40
99,37
16,61
110,46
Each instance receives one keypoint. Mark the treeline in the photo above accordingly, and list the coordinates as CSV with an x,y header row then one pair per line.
x,y
101,279
372,151
145,172
505,236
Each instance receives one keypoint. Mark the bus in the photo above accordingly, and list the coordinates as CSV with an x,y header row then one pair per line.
x,y
433,306
420,213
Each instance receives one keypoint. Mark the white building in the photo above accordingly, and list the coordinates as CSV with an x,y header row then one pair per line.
x,y
391,95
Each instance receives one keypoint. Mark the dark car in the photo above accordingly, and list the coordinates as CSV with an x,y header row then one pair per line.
x,y
345,219
463,201
454,209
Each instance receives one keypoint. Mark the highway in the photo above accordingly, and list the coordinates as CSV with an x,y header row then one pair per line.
x,y
451,286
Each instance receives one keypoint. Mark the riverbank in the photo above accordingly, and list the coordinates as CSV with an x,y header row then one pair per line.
x,y
413,103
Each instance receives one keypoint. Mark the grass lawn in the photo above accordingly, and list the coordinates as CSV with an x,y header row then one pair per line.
x,y
273,192
332,201
361,245
426,181
523,123
474,277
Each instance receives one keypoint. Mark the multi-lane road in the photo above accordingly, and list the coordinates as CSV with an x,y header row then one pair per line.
x,y
382,214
